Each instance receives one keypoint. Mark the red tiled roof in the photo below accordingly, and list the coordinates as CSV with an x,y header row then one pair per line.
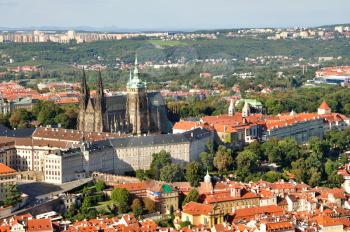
x,y
39,225
258,210
4,169
131,187
273,226
324,106
185,125
5,228
194,208
226,196
326,221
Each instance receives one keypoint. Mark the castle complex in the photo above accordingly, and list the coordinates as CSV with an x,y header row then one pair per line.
x,y
137,112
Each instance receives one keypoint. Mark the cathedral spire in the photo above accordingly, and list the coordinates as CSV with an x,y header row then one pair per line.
x,y
84,91
100,101
136,69
100,84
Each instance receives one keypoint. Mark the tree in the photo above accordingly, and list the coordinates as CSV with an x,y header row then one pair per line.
x,y
207,160
315,177
159,161
141,174
20,118
86,205
272,176
246,163
289,151
92,213
13,195
121,197
185,224
257,149
319,147
335,180
223,158
193,195
271,150
4,119
100,185
150,205
194,173
136,207
299,170
46,112
71,212
330,166
171,173
87,191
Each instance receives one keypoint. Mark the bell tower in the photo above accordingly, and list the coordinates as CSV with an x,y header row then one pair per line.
x,y
137,104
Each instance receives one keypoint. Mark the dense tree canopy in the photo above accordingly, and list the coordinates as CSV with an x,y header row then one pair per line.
x,y
159,161
121,197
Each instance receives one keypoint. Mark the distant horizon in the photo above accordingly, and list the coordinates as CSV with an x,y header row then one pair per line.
x,y
167,15
120,29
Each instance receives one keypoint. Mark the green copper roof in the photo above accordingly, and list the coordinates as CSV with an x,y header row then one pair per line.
x,y
167,189
134,81
252,102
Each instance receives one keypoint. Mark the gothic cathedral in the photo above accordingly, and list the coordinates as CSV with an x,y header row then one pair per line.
x,y
137,112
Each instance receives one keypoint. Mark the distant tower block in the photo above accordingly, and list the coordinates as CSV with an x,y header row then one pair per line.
x,y
231,108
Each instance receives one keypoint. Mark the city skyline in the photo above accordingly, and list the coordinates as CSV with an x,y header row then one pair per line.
x,y
166,15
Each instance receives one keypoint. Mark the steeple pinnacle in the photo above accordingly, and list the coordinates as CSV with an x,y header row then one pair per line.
x,y
134,81
100,98
84,90
231,108
207,178
136,69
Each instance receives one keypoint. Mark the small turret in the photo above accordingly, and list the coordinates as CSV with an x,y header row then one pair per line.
x,y
292,113
246,110
207,178
324,109
231,108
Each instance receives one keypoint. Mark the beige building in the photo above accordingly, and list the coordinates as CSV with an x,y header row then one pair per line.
x,y
59,155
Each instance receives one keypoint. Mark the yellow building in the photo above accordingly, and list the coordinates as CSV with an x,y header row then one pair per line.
x,y
201,214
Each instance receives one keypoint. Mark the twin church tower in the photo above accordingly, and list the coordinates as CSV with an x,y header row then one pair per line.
x,y
137,112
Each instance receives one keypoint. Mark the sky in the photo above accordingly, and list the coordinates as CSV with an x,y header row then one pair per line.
x,y
173,14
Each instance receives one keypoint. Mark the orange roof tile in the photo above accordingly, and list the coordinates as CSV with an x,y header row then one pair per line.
x,y
258,210
194,208
326,221
39,225
324,106
4,169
